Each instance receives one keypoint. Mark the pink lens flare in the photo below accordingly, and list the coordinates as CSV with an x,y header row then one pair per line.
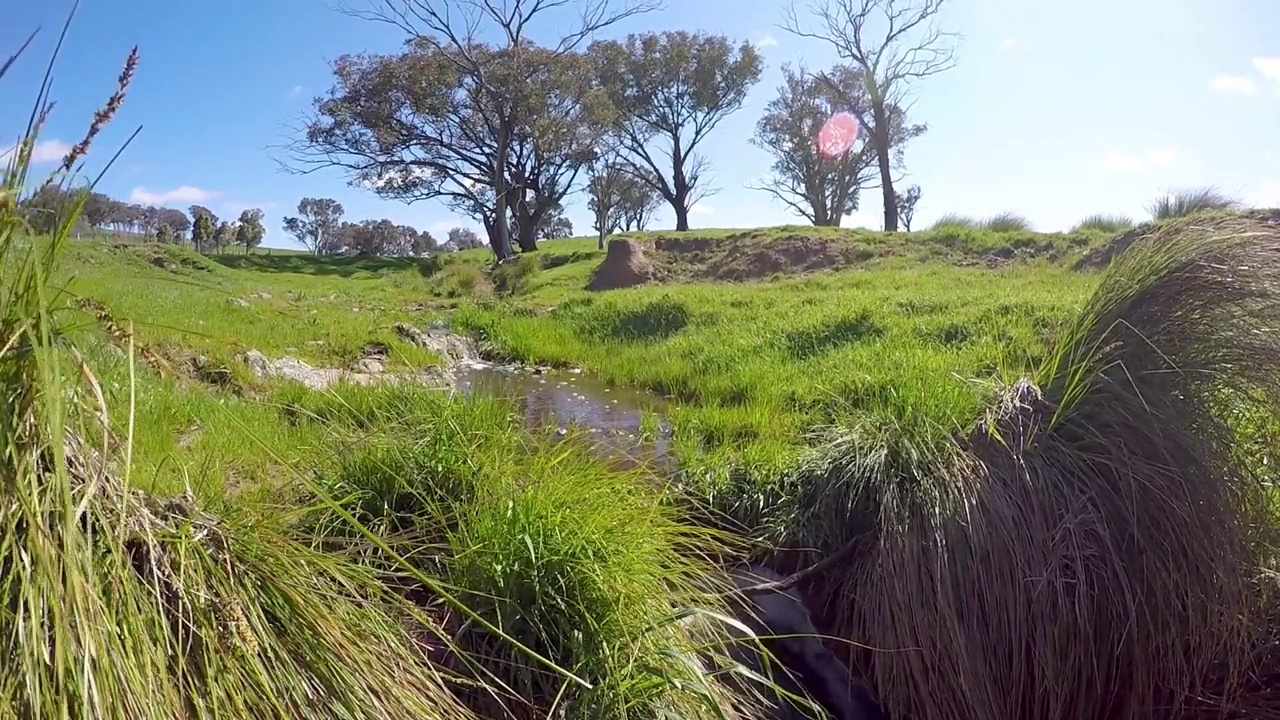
x,y
837,134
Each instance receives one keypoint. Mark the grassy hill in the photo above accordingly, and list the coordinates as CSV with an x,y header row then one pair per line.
x,y
361,537
907,336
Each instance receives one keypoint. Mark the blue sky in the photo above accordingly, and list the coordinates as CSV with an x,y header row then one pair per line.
x,y
1056,110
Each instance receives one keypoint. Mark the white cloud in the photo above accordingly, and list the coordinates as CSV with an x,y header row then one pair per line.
x,y
701,209
1233,85
1129,163
184,194
295,92
1012,45
767,41
45,151
1268,66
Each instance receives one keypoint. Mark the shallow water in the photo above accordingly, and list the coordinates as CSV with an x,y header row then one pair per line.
x,y
572,403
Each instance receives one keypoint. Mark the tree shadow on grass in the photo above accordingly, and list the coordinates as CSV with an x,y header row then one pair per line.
x,y
339,265
809,342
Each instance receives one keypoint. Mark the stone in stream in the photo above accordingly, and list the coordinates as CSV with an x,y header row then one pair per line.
x,y
455,349
808,667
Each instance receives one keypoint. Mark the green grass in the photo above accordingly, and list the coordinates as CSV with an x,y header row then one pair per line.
x,y
119,603
754,367
321,310
586,565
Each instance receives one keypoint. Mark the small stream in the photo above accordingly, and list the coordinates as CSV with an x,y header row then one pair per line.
x,y
571,401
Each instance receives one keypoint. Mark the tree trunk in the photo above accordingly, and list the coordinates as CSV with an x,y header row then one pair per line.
x,y
527,237
880,137
682,216
501,238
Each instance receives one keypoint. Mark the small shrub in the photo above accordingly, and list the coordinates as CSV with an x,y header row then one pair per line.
x,y
431,265
954,221
1006,222
1181,203
514,276
1102,222
465,280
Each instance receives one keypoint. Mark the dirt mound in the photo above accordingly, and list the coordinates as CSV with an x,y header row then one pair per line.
x,y
624,265
1101,256
790,254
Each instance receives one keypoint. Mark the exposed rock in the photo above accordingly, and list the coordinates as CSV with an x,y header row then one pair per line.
x,y
260,295
238,302
455,349
319,378
369,365
258,363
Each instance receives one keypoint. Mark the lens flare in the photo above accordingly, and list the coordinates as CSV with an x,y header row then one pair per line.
x,y
837,134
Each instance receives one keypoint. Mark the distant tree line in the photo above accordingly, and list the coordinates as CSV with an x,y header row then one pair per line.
x,y
505,132
319,225
320,228
49,205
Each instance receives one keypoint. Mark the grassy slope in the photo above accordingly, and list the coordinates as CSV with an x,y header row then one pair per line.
x,y
535,541
215,440
754,365
898,342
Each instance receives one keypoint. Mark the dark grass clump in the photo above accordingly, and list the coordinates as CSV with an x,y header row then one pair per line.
x,y
804,343
1181,203
1103,222
515,276
655,320
1097,547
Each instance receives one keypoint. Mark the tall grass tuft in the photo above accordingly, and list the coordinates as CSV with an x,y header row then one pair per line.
x,y
1006,222
1181,203
120,605
1102,222
1097,541
955,221
589,567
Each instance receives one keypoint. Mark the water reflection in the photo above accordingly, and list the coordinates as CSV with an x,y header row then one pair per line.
x,y
611,419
